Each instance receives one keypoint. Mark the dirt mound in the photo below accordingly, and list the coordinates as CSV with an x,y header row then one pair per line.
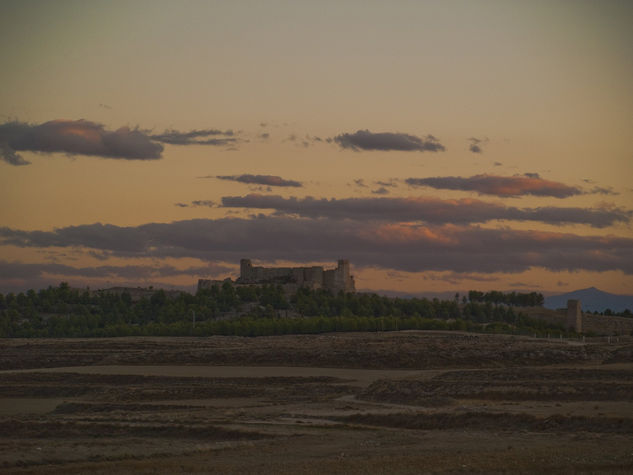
x,y
490,421
52,429
509,385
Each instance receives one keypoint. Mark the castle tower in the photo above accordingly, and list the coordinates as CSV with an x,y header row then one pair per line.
x,y
574,315
343,280
343,268
246,270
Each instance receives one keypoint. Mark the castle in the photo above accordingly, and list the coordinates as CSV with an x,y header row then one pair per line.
x,y
292,278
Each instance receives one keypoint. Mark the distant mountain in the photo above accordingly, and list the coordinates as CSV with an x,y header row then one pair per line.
x,y
592,300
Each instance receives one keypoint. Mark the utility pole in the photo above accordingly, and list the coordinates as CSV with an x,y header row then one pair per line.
x,y
194,318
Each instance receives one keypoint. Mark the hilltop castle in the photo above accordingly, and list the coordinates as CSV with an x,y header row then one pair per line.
x,y
292,278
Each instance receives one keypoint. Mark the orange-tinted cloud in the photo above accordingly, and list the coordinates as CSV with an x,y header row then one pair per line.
x,y
425,209
503,186
394,246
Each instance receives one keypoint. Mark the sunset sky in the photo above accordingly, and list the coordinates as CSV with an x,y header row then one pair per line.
x,y
437,145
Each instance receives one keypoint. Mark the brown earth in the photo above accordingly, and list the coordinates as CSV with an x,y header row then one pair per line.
x,y
400,402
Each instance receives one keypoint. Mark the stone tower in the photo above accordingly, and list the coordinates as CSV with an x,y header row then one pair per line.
x,y
574,315
246,270
344,281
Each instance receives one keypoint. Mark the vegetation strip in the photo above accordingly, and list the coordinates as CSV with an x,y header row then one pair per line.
x,y
257,311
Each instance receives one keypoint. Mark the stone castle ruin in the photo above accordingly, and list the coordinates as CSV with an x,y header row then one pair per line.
x,y
574,315
293,278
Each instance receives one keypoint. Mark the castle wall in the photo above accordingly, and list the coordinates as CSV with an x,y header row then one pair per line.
x,y
597,324
607,325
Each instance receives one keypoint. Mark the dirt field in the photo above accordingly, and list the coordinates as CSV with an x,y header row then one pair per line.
x,y
401,402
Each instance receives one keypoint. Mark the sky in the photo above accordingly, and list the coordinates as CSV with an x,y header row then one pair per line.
x,y
437,145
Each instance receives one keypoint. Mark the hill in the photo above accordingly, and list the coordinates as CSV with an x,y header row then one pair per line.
x,y
592,300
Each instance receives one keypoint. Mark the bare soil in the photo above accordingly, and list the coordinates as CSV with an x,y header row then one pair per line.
x,y
400,402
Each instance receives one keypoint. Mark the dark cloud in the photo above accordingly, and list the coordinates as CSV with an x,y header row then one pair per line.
x,y
11,156
195,137
360,183
75,137
181,205
266,180
425,209
207,203
390,183
476,145
394,246
380,191
82,137
504,186
366,140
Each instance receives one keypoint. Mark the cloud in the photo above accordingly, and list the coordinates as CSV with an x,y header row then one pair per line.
x,y
360,183
476,144
425,209
17,276
380,191
27,271
206,203
391,183
503,186
195,137
599,190
266,180
82,137
366,140
11,156
458,277
75,137
396,246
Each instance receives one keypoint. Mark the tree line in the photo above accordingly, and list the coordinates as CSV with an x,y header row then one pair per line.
x,y
245,310
517,299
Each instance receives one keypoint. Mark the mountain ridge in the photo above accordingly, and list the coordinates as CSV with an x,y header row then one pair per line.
x,y
591,300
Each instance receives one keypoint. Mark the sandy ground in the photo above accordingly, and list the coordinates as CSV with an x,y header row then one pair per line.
x,y
402,402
